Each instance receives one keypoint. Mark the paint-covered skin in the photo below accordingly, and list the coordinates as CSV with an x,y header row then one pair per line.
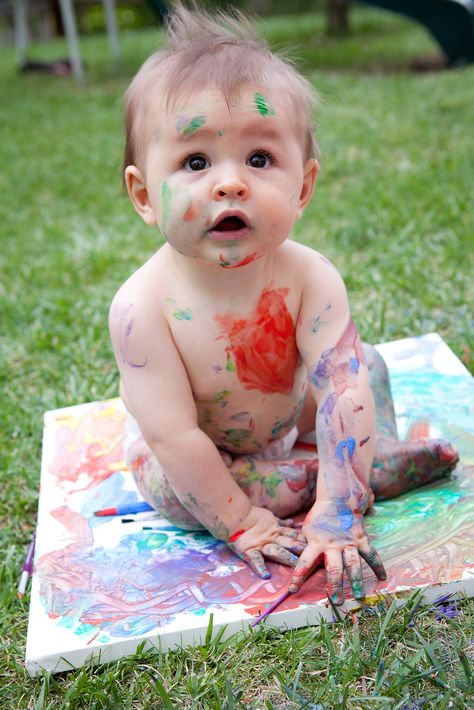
x,y
245,380
230,334
345,430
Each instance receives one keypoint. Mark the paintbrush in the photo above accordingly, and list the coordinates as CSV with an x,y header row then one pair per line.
x,y
271,608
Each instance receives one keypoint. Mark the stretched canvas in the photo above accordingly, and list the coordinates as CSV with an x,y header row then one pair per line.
x,y
101,587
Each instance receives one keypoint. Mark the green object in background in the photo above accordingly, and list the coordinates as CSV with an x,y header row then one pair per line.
x,y
159,7
451,22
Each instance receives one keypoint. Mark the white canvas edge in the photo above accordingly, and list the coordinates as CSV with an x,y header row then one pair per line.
x,y
309,615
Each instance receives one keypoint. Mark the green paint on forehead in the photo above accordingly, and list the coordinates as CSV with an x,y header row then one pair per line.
x,y
264,107
189,125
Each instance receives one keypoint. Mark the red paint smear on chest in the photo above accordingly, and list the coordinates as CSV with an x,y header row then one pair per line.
x,y
263,345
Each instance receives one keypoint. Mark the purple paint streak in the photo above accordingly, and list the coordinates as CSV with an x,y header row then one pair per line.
x,y
271,608
121,312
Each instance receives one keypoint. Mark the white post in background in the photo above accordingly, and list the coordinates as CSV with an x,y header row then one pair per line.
x,y
69,21
20,29
112,28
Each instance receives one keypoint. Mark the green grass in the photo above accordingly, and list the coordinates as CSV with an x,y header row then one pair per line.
x,y
393,209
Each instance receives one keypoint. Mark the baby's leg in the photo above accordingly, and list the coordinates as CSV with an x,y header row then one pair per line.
x,y
274,481
400,466
285,487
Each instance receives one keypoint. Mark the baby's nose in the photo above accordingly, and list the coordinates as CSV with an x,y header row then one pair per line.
x,y
231,187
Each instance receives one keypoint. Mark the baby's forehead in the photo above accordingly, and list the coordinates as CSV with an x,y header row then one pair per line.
x,y
188,111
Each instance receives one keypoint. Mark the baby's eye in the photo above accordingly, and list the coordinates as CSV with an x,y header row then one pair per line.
x,y
195,163
260,159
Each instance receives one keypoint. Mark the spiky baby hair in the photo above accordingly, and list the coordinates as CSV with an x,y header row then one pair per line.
x,y
218,51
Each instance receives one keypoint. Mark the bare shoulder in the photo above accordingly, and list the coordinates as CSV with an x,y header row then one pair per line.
x,y
315,273
136,310
143,288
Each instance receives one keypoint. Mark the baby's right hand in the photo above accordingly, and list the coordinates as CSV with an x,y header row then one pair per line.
x,y
263,536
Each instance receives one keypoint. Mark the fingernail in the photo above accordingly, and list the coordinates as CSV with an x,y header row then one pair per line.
x,y
337,599
292,588
359,591
266,575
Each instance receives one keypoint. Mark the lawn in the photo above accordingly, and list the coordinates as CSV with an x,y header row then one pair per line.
x,y
392,209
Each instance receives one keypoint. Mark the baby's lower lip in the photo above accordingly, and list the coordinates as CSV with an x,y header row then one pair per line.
x,y
228,236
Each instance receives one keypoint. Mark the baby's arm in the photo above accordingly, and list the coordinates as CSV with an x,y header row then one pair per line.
x,y
345,431
159,396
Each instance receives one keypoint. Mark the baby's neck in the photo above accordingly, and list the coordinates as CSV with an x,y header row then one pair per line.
x,y
215,280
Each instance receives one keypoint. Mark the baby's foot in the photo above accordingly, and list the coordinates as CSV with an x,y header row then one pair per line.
x,y
400,466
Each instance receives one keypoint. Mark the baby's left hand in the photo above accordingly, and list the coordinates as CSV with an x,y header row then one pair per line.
x,y
336,531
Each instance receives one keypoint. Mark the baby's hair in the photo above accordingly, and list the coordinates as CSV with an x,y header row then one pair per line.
x,y
217,51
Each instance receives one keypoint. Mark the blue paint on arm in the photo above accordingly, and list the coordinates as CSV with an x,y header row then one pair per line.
x,y
351,444
354,365
340,451
348,444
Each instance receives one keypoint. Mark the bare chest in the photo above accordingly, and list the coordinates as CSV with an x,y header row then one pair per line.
x,y
245,372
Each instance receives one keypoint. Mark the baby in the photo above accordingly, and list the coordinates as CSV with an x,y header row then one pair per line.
x,y
233,341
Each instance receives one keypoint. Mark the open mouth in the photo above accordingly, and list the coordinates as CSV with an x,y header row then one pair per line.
x,y
229,224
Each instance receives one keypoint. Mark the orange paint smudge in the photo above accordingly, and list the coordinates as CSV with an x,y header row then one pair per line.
x,y
193,212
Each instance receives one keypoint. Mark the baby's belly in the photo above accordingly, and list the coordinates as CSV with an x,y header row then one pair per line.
x,y
246,422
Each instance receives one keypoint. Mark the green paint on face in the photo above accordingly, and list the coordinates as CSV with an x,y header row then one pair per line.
x,y
220,133
193,124
165,201
264,107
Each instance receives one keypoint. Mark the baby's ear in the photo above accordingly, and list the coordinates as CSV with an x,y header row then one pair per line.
x,y
136,187
310,172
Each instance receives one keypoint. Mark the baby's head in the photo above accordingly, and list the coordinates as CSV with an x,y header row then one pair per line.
x,y
219,52
219,140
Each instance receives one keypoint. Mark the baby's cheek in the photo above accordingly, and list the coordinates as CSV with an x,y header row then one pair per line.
x,y
193,211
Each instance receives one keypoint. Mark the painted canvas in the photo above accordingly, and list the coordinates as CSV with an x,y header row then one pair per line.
x,y
102,587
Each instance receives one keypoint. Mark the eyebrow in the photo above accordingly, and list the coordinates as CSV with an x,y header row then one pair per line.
x,y
257,129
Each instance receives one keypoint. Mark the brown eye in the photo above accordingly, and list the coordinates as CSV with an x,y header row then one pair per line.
x,y
195,163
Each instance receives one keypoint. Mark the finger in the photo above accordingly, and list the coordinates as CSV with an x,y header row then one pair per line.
x,y
290,523
305,565
350,556
334,570
374,561
254,559
277,553
291,532
294,546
